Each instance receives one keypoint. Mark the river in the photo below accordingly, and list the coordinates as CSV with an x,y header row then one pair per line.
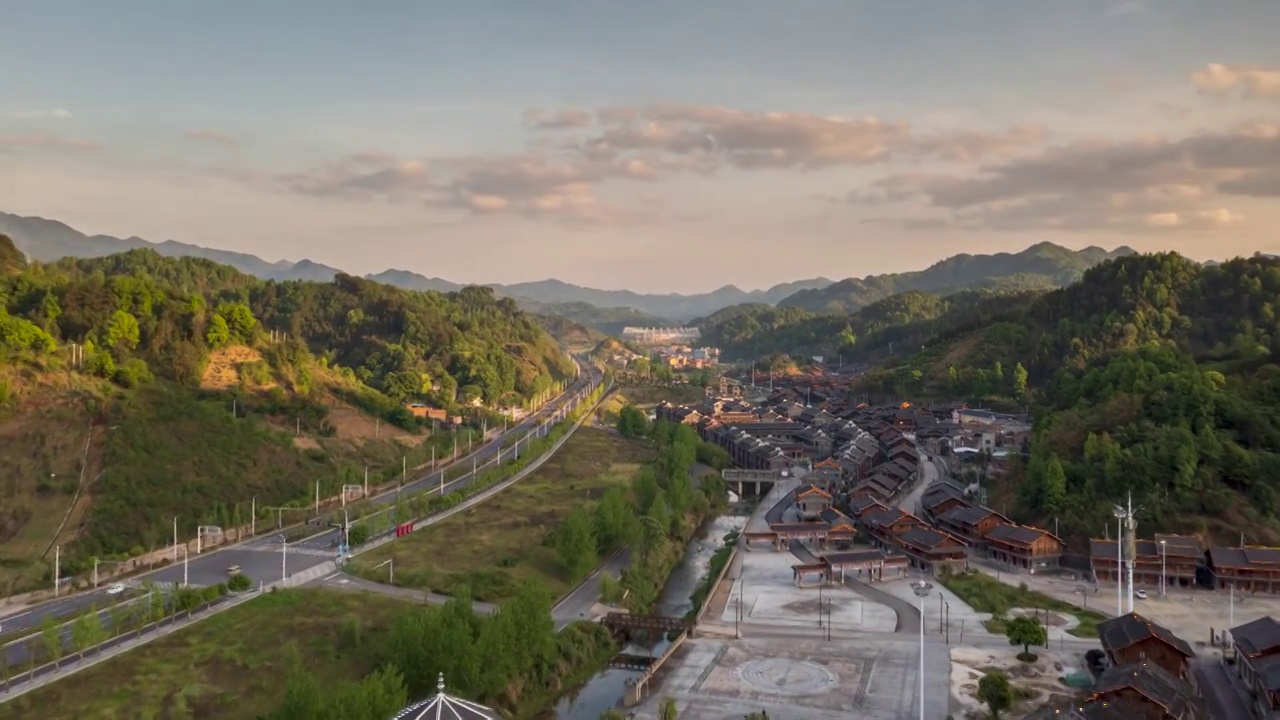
x,y
606,688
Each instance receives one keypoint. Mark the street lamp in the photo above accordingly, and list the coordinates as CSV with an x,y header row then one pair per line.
x,y
96,562
284,560
921,589
1121,514
1162,561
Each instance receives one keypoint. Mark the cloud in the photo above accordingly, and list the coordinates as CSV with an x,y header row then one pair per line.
x,y
1252,82
213,136
777,140
1145,183
361,177
539,119
57,114
30,142
560,177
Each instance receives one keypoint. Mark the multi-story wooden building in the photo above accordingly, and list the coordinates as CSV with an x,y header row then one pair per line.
x,y
930,549
811,501
1143,691
971,524
1023,547
1248,569
1257,666
940,498
1131,638
884,526
1179,555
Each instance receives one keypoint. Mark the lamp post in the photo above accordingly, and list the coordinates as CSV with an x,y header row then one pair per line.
x,y
921,589
253,516
1120,514
186,552
284,561
1162,563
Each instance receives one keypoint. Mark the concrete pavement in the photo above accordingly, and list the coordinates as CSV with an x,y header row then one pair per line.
x,y
260,557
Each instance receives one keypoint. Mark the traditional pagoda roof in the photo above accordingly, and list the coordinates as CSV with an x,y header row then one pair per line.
x,y
446,707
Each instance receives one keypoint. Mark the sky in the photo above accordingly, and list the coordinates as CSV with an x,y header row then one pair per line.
x,y
662,146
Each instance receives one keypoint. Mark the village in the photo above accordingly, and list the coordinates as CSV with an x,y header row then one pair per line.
x,y
866,512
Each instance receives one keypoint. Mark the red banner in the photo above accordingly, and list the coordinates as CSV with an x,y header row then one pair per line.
x,y
405,529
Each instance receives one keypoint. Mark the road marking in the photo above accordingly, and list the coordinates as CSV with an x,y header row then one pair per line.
x,y
330,577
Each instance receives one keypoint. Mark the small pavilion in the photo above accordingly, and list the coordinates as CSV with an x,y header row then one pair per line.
x,y
446,707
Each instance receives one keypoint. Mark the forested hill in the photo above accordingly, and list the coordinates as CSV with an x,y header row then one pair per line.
x,y
141,313
1040,267
1152,374
199,387
897,323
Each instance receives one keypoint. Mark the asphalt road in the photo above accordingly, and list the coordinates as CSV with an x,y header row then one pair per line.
x,y
1223,700
260,558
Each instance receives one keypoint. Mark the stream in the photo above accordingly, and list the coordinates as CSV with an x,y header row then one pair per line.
x,y
605,690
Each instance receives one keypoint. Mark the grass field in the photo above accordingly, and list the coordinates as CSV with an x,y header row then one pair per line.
x,y
986,594
500,542
230,666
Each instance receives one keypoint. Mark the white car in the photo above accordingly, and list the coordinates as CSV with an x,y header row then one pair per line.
x,y
115,589
1140,594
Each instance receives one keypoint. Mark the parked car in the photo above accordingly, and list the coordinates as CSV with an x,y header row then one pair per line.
x,y
115,589
1140,594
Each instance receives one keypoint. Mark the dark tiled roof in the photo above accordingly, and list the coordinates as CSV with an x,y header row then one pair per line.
x,y
798,527
968,516
1016,534
811,489
1151,681
854,558
862,504
1226,557
923,538
1122,632
1260,637
883,518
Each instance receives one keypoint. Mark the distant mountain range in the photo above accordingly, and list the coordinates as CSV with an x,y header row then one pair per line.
x,y
1040,266
45,240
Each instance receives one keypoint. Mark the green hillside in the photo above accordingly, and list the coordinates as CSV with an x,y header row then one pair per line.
x,y
195,388
1152,375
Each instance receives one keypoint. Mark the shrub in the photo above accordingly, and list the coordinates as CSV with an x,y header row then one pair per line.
x,y
239,583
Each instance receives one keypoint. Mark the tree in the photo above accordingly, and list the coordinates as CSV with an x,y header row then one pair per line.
x,y
123,332
121,616
239,583
995,691
87,632
218,334
1055,486
576,543
1026,631
357,535
1019,381
632,422
51,636
667,709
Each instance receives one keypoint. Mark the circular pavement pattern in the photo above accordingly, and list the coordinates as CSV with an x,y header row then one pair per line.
x,y
785,677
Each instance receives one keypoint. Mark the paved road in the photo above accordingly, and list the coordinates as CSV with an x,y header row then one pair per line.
x,y
1219,692
260,558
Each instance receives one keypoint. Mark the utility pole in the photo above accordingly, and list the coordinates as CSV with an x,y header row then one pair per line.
x,y
317,497
57,568
175,539
404,468
366,481
253,517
